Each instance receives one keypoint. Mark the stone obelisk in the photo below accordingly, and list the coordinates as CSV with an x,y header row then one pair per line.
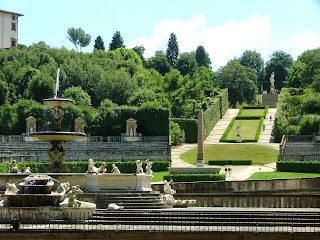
x,y
200,156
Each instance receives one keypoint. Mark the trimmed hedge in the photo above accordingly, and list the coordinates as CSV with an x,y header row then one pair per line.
x,y
225,134
215,110
194,177
230,162
82,167
299,166
151,121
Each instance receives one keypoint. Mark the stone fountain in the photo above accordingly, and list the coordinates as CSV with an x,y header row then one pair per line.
x,y
57,137
41,197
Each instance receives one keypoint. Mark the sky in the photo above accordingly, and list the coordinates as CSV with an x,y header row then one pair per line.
x,y
225,28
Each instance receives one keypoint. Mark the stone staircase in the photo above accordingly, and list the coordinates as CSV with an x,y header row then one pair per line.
x,y
223,219
270,100
127,199
82,151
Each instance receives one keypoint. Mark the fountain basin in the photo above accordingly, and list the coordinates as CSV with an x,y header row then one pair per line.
x,y
47,213
57,136
57,102
33,200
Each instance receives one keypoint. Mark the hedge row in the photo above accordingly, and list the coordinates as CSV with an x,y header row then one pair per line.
x,y
256,138
151,121
230,162
190,127
82,167
216,109
225,134
194,177
299,166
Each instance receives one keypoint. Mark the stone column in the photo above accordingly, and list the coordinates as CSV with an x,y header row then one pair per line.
x,y
200,156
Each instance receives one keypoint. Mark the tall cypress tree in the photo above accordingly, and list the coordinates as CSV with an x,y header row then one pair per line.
x,y
99,44
172,49
202,57
116,42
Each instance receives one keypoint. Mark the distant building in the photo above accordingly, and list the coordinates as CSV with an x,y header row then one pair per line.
x,y
9,29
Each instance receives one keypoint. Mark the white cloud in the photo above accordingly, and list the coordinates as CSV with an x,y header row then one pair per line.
x,y
302,42
221,42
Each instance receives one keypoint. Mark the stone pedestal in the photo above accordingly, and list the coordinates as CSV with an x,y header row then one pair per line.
x,y
200,163
272,88
93,183
238,139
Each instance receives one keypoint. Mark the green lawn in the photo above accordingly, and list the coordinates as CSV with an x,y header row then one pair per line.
x,y
248,129
257,153
252,112
280,175
158,176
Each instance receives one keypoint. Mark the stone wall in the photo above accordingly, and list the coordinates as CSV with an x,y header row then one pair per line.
x,y
275,193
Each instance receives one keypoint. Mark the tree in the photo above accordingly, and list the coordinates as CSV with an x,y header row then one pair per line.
x,y
140,51
99,44
116,42
41,86
202,57
172,49
252,59
240,81
4,92
279,63
159,62
78,37
306,70
79,96
186,63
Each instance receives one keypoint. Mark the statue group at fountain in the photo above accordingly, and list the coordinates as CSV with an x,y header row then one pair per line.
x,y
92,169
168,198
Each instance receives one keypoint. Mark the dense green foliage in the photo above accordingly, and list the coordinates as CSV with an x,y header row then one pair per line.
x,y
240,80
82,167
116,42
194,177
230,162
298,112
299,166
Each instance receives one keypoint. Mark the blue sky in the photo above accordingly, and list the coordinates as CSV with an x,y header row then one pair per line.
x,y
225,28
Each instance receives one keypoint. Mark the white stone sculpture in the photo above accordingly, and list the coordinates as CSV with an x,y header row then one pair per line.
x,y
149,168
139,167
272,79
27,170
238,130
168,198
115,169
62,189
114,207
11,188
102,168
91,167
14,168
70,200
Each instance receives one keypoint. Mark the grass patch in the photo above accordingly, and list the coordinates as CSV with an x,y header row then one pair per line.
x,y
281,175
257,153
158,176
248,129
252,112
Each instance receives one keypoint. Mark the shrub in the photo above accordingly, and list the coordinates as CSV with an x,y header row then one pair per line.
x,y
194,177
230,162
299,166
82,167
175,133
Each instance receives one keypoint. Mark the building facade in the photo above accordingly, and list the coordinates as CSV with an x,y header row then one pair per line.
x,y
9,29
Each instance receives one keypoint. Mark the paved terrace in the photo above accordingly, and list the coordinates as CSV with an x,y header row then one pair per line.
x,y
238,172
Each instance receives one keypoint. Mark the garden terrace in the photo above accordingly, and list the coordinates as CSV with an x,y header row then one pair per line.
x,y
153,148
